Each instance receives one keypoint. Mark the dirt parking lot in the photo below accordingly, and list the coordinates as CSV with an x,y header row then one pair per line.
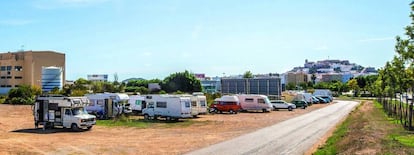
x,y
18,136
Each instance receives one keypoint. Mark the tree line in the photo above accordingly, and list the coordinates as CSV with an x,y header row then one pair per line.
x,y
180,82
395,84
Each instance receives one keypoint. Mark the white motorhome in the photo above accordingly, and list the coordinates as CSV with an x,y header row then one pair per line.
x,y
201,101
252,102
60,111
107,105
198,104
171,107
137,103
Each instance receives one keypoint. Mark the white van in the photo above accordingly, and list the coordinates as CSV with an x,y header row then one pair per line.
x,y
61,111
252,102
171,107
137,103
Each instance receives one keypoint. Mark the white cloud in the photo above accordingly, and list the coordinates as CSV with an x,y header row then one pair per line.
x,y
376,39
15,22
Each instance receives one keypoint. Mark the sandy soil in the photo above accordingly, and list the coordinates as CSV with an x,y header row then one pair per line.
x,y
18,136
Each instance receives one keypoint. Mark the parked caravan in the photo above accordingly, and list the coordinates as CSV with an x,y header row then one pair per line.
x,y
60,111
251,102
137,103
171,107
108,105
226,103
201,102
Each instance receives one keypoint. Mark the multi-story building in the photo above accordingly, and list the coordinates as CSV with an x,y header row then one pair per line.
x,y
296,77
98,77
211,85
25,68
270,86
331,77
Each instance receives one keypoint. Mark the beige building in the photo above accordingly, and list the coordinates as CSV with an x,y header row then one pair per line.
x,y
25,67
296,77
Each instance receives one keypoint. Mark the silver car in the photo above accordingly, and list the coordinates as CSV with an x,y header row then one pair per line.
x,y
280,104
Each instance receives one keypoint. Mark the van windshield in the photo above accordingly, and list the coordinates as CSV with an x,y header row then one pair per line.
x,y
79,111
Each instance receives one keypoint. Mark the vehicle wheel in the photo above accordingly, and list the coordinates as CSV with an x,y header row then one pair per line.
x,y
168,118
146,117
231,111
220,112
303,107
74,127
290,108
264,110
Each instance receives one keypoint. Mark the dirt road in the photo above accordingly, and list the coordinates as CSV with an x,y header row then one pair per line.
x,y
17,135
294,136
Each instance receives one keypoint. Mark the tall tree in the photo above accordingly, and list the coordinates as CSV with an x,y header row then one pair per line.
x,y
248,74
181,81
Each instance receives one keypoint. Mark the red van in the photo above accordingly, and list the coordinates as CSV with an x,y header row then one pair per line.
x,y
226,103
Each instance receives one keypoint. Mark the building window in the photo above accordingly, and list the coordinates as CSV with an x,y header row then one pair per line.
x,y
8,77
8,72
3,86
18,68
8,86
16,86
18,77
3,77
9,68
3,68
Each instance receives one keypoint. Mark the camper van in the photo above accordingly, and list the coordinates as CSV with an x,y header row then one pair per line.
x,y
137,103
250,102
60,111
226,103
108,105
170,107
201,103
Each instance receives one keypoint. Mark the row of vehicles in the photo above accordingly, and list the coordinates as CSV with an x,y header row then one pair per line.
x,y
108,105
75,112
243,102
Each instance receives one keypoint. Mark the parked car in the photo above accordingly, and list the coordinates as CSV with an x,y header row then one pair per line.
x,y
280,104
321,100
225,103
315,100
327,98
300,103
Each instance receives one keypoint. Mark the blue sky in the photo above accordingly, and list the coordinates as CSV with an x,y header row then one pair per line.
x,y
151,39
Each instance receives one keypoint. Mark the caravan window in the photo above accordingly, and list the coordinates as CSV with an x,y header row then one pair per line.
x,y
100,102
203,103
260,100
150,104
161,104
249,100
187,104
193,103
92,102
138,102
